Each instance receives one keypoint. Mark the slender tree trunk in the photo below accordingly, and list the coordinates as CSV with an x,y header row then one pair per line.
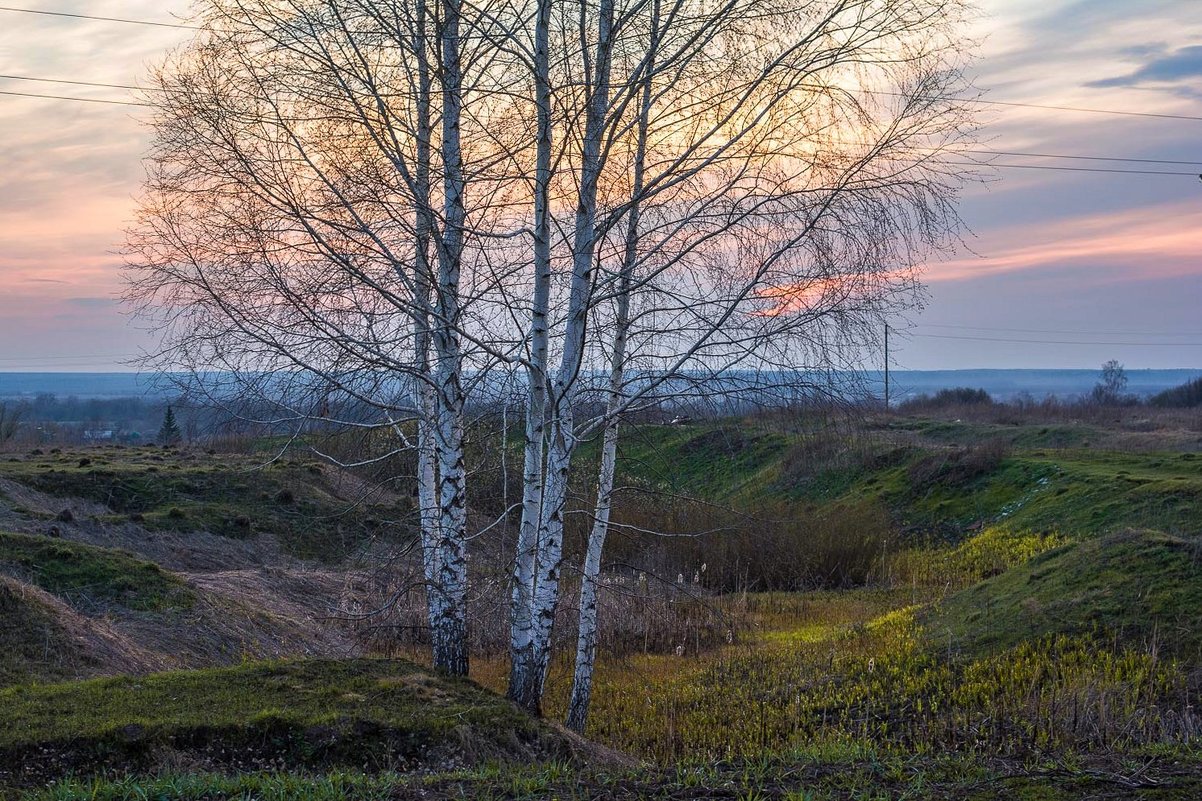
x,y
426,398
450,631
523,688
562,441
586,633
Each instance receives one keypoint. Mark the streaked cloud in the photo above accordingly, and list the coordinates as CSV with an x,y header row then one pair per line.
x,y
1138,244
1182,64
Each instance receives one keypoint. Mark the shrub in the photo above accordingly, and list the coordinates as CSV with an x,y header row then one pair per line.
x,y
776,546
1186,396
956,467
945,398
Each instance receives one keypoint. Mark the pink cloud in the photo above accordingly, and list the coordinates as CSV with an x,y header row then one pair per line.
x,y
1158,242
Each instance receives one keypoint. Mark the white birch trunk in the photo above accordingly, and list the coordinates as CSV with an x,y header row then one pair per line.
x,y
562,443
523,689
426,398
449,633
586,631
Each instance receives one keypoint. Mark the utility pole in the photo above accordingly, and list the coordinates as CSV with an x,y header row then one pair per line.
x,y
886,366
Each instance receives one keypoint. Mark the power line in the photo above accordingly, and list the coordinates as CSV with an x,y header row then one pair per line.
x,y
99,19
948,163
1068,156
1092,169
980,101
977,100
1061,331
73,358
1017,153
76,99
1068,169
1052,167
78,83
1045,107
1061,342
1085,110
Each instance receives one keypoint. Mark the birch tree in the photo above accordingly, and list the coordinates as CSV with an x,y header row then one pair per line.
x,y
621,199
794,181
304,229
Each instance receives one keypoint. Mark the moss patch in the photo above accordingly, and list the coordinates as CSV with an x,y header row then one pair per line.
x,y
1141,588
359,713
89,577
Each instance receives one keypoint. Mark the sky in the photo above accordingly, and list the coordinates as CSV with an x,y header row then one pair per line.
x,y
1080,267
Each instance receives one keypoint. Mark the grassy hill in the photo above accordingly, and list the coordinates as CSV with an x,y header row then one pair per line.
x,y
58,600
946,479
364,714
311,514
90,577
1138,588
71,610
1022,616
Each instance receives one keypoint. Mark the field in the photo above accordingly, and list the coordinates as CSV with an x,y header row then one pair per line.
x,y
901,607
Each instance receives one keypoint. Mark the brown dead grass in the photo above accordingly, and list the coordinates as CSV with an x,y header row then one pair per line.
x,y
97,646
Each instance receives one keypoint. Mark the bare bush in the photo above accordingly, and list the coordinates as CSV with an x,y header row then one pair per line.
x,y
957,467
946,398
782,546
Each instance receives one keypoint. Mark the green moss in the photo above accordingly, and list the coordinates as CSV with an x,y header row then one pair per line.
x,y
231,496
1139,588
88,576
365,713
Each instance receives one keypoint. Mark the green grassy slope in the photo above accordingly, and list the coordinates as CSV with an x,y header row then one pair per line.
x,y
366,714
30,632
91,577
1137,588
61,633
946,486
233,496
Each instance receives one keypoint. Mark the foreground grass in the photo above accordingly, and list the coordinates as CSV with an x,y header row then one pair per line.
x,y
878,684
370,714
843,776
1087,648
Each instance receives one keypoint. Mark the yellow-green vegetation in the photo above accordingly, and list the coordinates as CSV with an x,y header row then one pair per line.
x,y
879,685
374,714
1064,650
1138,588
991,552
89,577
233,496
